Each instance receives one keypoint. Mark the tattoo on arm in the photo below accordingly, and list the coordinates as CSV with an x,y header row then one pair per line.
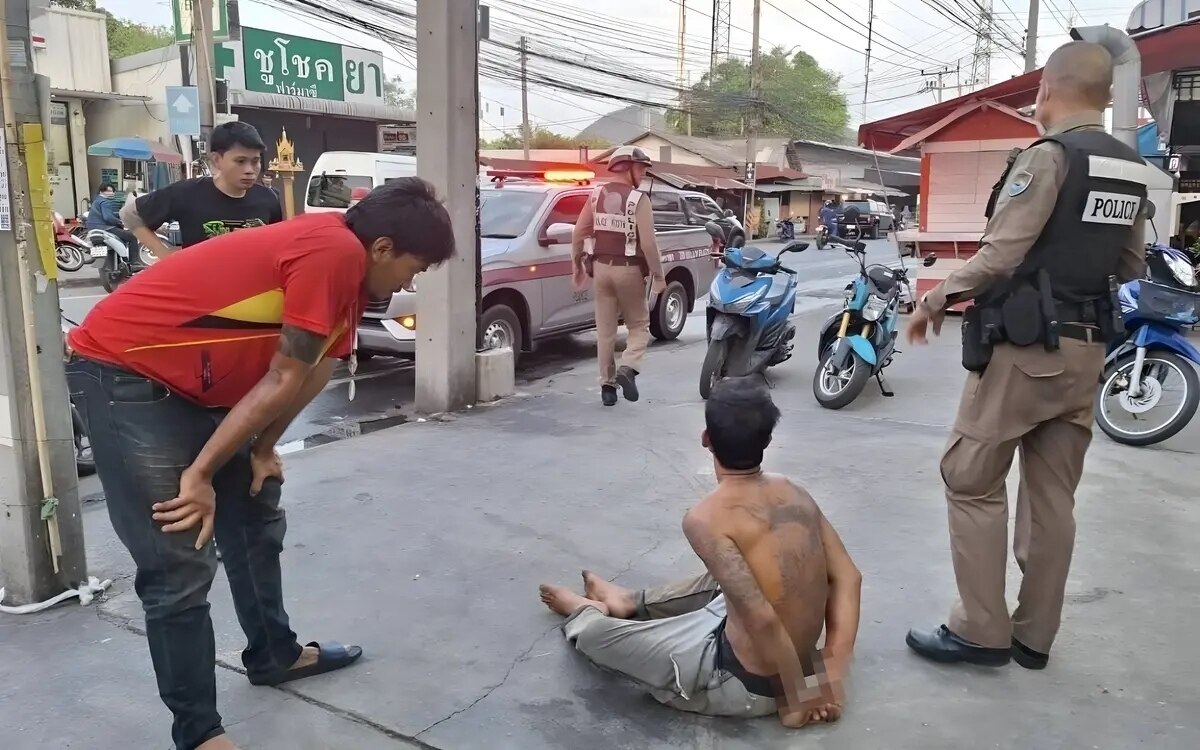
x,y
724,560
300,344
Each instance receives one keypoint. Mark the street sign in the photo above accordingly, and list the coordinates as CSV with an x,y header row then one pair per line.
x,y
181,13
1174,163
183,110
749,171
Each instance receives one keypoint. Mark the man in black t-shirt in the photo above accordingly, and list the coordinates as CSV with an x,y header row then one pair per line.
x,y
207,207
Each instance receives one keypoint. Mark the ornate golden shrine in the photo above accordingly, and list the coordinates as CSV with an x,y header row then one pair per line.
x,y
286,166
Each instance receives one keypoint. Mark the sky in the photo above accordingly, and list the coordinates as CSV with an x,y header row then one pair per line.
x,y
641,36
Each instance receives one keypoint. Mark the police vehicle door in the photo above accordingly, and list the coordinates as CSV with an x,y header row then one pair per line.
x,y
562,306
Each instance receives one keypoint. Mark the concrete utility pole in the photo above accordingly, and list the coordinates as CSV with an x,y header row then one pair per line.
x,y
526,136
41,530
755,112
1031,33
202,51
448,156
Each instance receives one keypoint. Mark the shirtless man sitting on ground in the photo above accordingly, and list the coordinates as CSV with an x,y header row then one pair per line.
x,y
740,640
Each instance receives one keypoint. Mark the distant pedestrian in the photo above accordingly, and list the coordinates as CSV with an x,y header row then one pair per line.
x,y
268,181
614,244
189,374
1034,343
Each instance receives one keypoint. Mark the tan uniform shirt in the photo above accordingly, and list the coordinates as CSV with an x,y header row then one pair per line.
x,y
647,242
1017,222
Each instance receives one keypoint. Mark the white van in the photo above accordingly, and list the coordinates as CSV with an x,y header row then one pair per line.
x,y
337,174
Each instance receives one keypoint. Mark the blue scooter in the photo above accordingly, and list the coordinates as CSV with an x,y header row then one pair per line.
x,y
860,340
1133,405
749,303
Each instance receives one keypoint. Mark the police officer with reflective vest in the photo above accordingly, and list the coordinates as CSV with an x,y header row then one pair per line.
x,y
1066,225
614,244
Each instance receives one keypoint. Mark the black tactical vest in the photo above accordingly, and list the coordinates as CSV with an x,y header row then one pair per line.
x,y
1100,201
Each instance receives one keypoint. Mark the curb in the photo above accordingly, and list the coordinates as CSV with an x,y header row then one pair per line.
x,y
68,282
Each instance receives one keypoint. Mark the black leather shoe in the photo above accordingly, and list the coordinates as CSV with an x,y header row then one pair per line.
x,y
947,648
1027,657
608,394
627,379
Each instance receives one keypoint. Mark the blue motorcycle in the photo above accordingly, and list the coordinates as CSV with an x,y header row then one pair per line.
x,y
1149,390
860,340
749,304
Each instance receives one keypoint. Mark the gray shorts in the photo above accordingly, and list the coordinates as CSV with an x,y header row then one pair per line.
x,y
674,655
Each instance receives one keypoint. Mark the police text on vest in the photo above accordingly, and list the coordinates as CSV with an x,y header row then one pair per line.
x,y
1111,208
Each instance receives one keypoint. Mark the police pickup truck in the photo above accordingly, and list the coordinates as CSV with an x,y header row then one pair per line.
x,y
526,220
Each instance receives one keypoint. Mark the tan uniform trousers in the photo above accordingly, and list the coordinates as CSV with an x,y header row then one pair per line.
x,y
620,294
1040,404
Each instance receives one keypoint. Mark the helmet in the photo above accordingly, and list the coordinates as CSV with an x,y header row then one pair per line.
x,y
625,157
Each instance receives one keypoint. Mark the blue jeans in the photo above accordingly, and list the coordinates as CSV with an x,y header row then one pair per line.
x,y
143,437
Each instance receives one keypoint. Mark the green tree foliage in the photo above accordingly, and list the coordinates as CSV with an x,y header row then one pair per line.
x,y
124,37
395,95
541,138
799,99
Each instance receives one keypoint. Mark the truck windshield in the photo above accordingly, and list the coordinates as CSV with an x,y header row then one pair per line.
x,y
864,207
507,214
335,190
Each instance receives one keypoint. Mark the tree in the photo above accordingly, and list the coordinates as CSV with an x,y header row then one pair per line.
x,y
125,38
799,99
540,138
395,95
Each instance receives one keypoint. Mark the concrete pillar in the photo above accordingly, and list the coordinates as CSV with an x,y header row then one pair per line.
x,y
447,148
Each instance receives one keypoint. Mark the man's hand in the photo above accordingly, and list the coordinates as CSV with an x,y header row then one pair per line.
x,y
579,278
196,503
835,672
264,464
919,324
658,285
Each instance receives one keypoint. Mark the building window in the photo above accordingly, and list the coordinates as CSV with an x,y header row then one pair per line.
x,y
1187,87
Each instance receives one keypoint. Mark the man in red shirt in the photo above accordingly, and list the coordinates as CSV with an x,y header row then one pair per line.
x,y
188,375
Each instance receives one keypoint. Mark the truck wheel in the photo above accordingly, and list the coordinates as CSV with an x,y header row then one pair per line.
x,y
670,313
502,328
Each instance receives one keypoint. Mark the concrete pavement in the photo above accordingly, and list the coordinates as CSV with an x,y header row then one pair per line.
x,y
425,544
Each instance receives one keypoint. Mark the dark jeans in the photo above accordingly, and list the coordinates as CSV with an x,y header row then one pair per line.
x,y
143,437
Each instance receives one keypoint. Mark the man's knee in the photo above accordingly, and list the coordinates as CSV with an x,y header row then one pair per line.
x,y
974,470
180,582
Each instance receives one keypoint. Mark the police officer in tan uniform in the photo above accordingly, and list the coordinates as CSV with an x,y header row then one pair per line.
x,y
1066,225
614,244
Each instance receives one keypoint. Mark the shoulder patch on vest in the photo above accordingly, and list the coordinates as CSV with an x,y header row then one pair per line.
x,y
1019,183
1111,208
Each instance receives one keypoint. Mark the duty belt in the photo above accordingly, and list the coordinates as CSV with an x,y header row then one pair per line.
x,y
619,260
1081,332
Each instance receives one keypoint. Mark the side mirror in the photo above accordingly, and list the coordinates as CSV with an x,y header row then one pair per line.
x,y
558,234
794,247
728,213
929,260
714,229
860,247
1149,209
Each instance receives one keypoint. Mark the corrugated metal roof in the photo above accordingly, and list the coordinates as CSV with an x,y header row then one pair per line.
x,y
376,112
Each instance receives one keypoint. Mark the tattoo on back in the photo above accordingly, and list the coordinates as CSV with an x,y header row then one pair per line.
x,y
300,344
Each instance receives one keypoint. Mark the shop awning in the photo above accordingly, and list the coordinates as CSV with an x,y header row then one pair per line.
x,y
685,180
1169,48
353,110
865,188
96,95
807,185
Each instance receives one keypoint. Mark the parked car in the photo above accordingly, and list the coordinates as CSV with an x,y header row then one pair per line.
x,y
874,217
676,209
525,244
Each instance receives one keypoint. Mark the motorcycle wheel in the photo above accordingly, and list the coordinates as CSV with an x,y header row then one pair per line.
x,y
110,280
1159,365
85,464
68,257
713,369
834,390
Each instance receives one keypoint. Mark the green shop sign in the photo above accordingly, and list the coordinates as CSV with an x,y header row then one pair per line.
x,y
273,63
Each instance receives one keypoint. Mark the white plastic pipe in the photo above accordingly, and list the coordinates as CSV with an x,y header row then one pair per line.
x,y
1127,77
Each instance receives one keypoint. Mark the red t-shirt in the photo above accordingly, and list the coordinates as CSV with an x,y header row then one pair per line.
x,y
205,321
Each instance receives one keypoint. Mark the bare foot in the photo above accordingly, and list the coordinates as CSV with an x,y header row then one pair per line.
x,y
563,601
308,657
621,601
218,743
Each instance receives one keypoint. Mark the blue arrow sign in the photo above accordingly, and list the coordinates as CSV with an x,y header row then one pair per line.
x,y
183,110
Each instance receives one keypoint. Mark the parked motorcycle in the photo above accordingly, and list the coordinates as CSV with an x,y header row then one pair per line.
x,y
70,252
860,341
115,254
1153,357
786,230
749,303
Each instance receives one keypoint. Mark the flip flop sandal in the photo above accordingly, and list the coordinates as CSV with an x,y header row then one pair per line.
x,y
331,657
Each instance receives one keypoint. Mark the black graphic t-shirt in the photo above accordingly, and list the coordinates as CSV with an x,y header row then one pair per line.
x,y
204,212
